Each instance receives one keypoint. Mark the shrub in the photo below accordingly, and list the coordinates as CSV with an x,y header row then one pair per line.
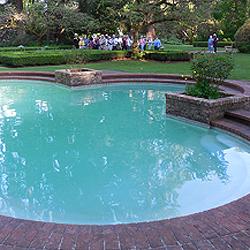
x,y
167,56
24,48
242,38
173,40
33,56
220,44
203,90
53,57
213,67
209,71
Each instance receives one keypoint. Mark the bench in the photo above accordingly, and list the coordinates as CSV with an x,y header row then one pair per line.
x,y
229,49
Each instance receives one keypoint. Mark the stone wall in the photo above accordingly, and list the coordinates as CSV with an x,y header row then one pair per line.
x,y
77,77
203,110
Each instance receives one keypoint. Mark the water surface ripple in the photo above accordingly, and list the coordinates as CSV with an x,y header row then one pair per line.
x,y
110,154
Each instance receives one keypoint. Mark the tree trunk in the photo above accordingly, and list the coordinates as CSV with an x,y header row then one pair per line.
x,y
19,6
135,34
151,31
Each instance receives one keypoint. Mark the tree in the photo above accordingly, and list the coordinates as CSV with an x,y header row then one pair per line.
x,y
106,13
232,14
141,15
56,21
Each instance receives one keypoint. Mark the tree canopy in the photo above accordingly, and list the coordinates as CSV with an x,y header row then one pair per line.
x,y
57,20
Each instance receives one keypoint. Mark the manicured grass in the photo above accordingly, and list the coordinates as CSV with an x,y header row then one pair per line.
x,y
240,72
242,67
125,66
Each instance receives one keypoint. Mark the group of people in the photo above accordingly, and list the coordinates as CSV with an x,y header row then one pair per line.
x,y
149,43
212,43
107,42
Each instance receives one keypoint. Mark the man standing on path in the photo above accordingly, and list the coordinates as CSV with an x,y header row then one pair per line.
x,y
215,42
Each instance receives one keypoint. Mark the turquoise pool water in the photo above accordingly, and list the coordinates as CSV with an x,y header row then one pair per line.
x,y
109,154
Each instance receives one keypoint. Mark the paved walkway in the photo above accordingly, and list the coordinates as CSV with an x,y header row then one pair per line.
x,y
226,227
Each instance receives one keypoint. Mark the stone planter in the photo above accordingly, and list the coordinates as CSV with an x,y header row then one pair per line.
x,y
77,77
203,110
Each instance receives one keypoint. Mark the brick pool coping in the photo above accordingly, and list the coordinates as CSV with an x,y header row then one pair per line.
x,y
224,227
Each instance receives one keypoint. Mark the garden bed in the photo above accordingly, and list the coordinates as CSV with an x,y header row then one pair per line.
x,y
203,110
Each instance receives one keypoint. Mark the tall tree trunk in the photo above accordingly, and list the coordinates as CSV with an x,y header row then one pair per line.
x,y
19,6
135,34
151,31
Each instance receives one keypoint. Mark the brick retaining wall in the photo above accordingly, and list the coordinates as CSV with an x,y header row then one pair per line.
x,y
203,110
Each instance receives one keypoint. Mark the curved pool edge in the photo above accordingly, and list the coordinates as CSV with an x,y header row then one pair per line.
x,y
224,227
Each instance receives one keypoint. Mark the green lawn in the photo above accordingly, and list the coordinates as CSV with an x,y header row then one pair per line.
x,y
241,70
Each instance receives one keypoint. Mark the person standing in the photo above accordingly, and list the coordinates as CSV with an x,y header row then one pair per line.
x,y
76,41
150,42
129,42
210,44
81,43
117,43
157,43
103,43
142,43
110,43
215,42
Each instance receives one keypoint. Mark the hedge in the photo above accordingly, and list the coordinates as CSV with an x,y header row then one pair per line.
x,y
32,58
6,49
168,56
204,44
243,47
56,57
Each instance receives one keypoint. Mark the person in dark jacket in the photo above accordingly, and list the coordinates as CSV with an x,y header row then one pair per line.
x,y
76,41
215,42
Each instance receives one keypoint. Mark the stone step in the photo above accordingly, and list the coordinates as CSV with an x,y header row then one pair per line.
x,y
229,90
240,115
145,76
24,77
27,73
233,126
148,80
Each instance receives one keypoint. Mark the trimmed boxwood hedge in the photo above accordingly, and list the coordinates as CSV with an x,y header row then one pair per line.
x,y
32,58
6,49
167,56
204,44
56,57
